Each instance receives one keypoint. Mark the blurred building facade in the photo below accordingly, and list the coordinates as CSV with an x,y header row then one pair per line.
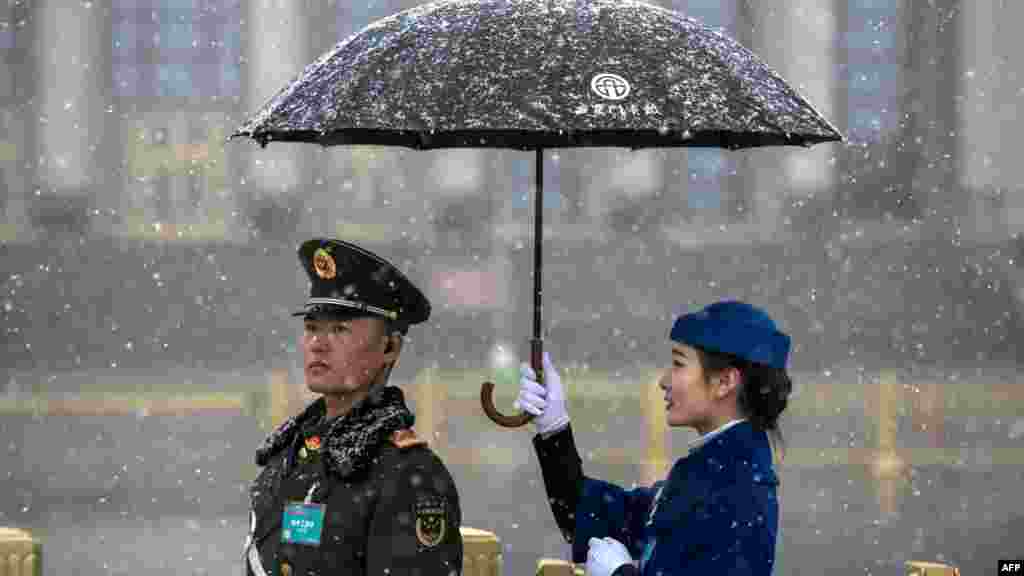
x,y
113,118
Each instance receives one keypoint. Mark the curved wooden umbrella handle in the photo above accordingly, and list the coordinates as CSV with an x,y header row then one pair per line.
x,y
487,392
487,401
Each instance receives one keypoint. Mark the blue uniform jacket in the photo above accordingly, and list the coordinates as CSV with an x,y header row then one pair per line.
x,y
716,513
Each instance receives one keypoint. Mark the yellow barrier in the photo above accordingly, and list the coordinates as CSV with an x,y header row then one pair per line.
x,y
888,467
428,396
929,405
111,405
20,553
552,567
281,398
930,569
929,411
481,552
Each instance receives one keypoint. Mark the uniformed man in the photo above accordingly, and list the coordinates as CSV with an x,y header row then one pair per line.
x,y
346,487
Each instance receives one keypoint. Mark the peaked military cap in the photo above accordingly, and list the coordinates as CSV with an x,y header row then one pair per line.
x,y
349,280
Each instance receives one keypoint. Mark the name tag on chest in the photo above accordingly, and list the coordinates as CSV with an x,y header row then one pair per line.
x,y
303,523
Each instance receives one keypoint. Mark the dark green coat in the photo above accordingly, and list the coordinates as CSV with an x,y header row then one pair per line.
x,y
399,516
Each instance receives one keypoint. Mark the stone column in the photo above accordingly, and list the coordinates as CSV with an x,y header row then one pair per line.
x,y
71,76
14,154
277,53
179,215
798,40
991,86
929,135
15,123
930,131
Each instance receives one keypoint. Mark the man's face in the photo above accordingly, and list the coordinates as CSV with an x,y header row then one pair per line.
x,y
341,356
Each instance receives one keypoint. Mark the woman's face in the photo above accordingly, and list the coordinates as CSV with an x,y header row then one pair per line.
x,y
688,398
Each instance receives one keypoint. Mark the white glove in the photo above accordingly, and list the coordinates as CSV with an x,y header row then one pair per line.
x,y
605,556
546,403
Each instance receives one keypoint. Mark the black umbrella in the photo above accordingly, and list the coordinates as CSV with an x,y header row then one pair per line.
x,y
535,74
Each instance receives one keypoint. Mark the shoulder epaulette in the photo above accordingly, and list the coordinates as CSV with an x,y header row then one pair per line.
x,y
406,438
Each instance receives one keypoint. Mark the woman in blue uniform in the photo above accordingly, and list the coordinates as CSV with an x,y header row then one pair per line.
x,y
717,511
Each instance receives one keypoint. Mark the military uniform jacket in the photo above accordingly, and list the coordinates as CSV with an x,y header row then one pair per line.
x,y
399,515
716,513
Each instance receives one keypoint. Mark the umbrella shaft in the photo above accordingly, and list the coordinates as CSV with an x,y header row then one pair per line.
x,y
538,238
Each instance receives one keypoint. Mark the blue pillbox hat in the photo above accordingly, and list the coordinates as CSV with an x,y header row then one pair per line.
x,y
735,328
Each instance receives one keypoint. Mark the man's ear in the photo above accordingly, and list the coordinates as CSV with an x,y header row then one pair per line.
x,y
393,344
728,381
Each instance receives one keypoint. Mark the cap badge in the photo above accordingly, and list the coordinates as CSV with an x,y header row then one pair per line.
x,y
323,264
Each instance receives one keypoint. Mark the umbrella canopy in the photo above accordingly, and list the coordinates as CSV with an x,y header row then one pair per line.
x,y
528,74
535,74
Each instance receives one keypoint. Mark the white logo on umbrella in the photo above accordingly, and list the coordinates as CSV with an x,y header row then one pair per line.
x,y
610,86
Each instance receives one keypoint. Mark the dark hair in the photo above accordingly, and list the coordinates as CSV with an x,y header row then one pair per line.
x,y
764,391
335,313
